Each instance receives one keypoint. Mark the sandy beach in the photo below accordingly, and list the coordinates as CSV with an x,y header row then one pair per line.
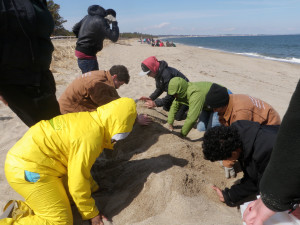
x,y
154,176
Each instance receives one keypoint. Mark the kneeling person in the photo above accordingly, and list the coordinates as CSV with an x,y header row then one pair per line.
x,y
93,89
248,142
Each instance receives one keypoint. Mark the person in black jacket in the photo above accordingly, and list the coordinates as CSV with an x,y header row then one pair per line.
x,y
162,73
27,85
91,32
247,142
280,184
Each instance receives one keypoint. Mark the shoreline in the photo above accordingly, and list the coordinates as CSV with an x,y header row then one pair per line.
x,y
292,60
253,76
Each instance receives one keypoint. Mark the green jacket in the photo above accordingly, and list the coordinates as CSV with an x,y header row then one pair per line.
x,y
189,93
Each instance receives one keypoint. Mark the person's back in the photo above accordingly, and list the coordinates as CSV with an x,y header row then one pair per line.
x,y
240,107
162,74
26,83
248,142
91,32
189,93
87,92
244,107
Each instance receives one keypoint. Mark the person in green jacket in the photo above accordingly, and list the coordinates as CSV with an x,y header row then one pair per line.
x,y
192,94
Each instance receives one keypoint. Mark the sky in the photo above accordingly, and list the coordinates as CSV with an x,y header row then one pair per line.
x,y
194,17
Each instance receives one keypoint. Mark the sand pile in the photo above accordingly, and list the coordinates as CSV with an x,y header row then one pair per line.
x,y
154,175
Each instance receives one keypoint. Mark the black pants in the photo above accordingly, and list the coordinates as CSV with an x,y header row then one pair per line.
x,y
181,113
33,103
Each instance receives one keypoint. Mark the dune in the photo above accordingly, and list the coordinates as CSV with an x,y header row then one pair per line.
x,y
154,176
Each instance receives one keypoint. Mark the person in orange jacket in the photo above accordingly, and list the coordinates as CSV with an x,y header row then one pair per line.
x,y
233,107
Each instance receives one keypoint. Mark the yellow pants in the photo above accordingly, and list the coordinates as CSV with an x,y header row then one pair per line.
x,y
47,198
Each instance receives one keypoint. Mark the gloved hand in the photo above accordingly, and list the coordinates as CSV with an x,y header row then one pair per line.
x,y
229,172
111,18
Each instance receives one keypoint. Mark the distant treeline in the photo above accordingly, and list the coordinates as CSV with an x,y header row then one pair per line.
x,y
136,35
64,32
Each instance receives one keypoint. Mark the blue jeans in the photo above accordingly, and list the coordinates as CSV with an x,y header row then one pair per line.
x,y
87,65
207,120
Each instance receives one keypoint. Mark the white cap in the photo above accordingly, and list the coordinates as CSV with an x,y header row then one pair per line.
x,y
143,73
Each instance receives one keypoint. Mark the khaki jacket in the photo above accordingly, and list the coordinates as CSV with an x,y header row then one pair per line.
x,y
244,107
87,92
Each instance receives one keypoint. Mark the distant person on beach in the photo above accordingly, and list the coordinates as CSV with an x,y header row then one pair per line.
x,y
55,157
91,32
162,73
27,85
240,107
191,94
280,183
247,142
94,89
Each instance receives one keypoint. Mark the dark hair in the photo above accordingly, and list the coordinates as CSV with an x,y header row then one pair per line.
x,y
111,12
121,72
220,142
144,67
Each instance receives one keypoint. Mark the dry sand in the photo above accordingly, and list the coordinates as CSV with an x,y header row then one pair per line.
x,y
155,177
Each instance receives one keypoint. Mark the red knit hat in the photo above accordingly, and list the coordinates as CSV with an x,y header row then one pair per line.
x,y
149,64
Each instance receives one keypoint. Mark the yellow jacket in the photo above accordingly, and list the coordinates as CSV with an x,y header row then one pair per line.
x,y
69,145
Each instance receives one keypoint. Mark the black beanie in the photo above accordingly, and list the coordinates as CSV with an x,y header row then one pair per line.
x,y
217,96
111,12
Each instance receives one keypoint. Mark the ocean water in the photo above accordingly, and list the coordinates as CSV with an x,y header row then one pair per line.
x,y
274,47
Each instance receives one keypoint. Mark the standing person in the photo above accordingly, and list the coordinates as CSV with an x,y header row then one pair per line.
x,y
280,184
240,107
64,147
27,85
162,73
94,89
91,32
191,94
247,142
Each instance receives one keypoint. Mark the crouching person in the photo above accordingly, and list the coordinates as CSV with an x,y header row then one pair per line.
x,y
66,145
248,142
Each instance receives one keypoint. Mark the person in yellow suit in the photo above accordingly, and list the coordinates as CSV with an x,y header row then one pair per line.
x,y
66,145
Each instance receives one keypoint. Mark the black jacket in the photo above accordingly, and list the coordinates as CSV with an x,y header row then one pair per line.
x,y
25,45
280,185
258,141
162,79
93,29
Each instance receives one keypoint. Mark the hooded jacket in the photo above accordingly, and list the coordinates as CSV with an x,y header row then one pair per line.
x,y
69,145
25,45
258,141
93,29
280,184
162,79
87,92
188,93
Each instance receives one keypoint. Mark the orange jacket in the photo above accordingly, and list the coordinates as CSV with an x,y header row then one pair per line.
x,y
245,107
87,92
